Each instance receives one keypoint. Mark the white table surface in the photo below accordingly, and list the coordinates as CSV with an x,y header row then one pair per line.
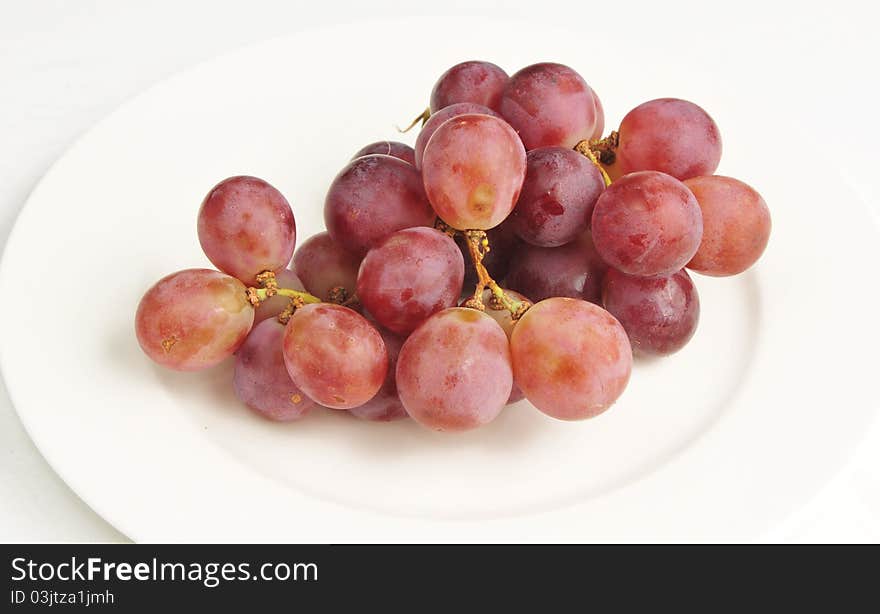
x,y
64,65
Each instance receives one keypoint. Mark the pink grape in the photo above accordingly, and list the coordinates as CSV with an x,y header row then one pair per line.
x,y
647,223
503,244
246,227
193,319
322,265
334,355
372,197
557,197
454,371
411,275
386,405
600,117
507,323
274,305
261,380
474,81
574,270
736,225
659,314
473,169
388,148
439,118
571,358
549,104
669,135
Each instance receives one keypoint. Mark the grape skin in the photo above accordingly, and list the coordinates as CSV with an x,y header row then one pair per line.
x,y
557,197
386,405
395,149
274,305
322,265
573,270
736,225
245,227
600,117
439,118
647,223
571,358
473,81
261,380
334,355
507,323
659,314
473,169
669,135
193,319
372,197
411,275
454,372
549,104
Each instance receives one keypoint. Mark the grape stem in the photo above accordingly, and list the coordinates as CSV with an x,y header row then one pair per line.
x,y
589,149
478,247
270,288
422,117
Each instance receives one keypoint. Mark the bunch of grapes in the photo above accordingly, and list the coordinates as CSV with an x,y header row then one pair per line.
x,y
513,253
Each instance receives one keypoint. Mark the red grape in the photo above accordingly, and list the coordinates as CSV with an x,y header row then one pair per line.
x,y
474,81
246,227
600,117
669,135
372,197
274,305
386,405
322,265
473,169
736,225
571,358
193,319
549,104
454,372
557,197
647,223
574,270
439,118
334,355
389,148
506,321
261,380
411,275
659,314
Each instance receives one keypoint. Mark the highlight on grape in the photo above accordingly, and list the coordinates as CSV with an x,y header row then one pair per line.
x,y
516,252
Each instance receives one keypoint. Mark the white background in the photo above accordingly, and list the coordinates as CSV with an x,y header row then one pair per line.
x,y
64,65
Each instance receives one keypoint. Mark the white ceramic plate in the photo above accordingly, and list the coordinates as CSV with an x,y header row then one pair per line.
x,y
721,440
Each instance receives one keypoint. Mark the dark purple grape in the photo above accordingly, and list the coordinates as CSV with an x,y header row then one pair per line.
x,y
574,270
659,314
557,197
372,197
